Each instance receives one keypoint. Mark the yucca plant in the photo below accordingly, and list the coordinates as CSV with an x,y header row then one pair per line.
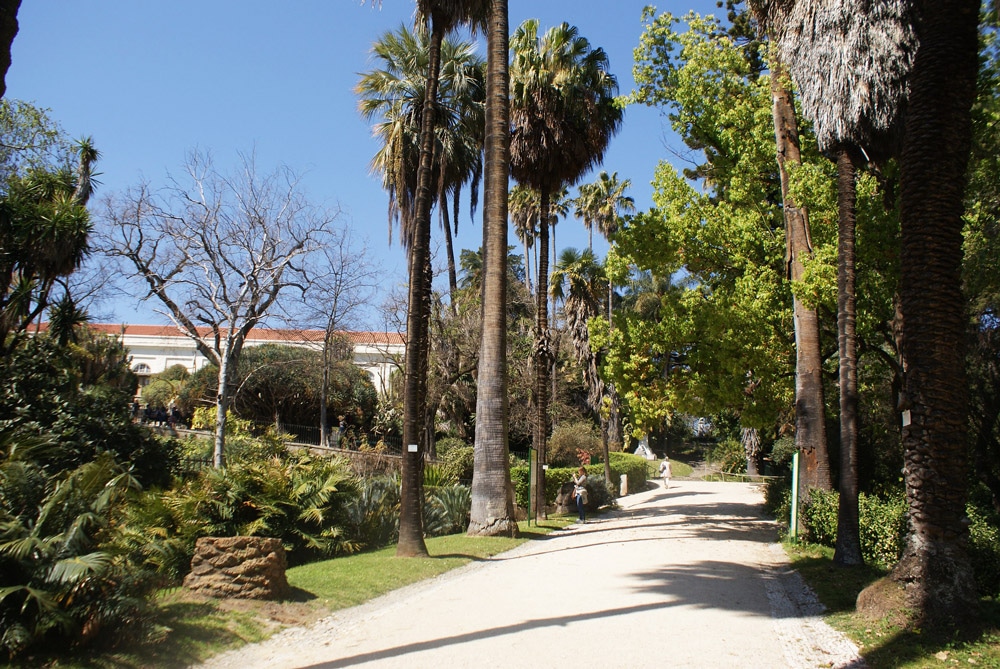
x,y
373,516
447,509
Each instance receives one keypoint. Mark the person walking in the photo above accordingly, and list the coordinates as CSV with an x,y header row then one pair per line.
x,y
665,472
580,493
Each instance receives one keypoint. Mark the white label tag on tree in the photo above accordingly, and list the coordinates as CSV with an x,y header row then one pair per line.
x,y
413,448
906,418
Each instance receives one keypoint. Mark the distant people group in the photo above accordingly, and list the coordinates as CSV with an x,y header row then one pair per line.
x,y
159,416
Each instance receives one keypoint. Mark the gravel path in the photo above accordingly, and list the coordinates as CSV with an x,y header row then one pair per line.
x,y
689,576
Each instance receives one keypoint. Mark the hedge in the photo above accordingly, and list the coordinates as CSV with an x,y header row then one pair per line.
x,y
621,464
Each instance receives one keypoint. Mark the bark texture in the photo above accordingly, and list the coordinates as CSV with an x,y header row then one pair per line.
x,y
935,568
848,550
810,425
492,494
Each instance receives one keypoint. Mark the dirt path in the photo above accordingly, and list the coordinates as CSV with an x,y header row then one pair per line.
x,y
684,577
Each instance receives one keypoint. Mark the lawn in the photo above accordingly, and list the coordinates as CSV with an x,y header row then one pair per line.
x,y
883,644
189,629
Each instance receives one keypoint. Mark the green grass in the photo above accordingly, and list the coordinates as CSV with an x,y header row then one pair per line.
x,y
191,629
883,644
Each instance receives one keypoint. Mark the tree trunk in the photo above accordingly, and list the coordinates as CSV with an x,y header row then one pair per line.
x,y
810,425
450,251
848,551
221,409
324,391
935,568
411,534
8,30
542,356
492,512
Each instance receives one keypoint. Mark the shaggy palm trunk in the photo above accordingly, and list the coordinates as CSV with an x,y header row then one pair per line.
x,y
411,534
810,425
935,567
492,512
542,356
848,552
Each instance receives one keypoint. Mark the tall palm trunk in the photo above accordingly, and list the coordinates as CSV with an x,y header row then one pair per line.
x,y
935,567
542,356
8,30
848,550
810,426
411,535
450,252
492,511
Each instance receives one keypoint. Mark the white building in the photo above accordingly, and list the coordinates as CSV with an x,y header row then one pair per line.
x,y
154,348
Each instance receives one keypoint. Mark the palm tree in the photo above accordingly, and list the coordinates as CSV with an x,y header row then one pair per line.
x,y
47,239
562,117
578,281
523,209
492,511
867,77
602,203
855,68
394,92
438,17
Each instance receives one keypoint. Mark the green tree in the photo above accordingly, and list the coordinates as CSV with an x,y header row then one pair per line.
x,y
721,337
563,116
867,81
44,233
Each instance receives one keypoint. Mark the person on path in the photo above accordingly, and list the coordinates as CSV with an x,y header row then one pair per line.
x,y
580,492
665,471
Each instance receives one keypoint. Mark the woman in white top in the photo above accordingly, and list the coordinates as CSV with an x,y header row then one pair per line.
x,y
580,492
665,471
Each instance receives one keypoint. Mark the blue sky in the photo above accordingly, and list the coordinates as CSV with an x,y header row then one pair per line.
x,y
151,80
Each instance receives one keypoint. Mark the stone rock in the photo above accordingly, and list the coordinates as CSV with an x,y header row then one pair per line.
x,y
238,567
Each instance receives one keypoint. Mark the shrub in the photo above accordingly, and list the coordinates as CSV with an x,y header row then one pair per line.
x,y
819,517
570,440
984,550
882,524
883,528
458,462
447,510
297,498
729,456
778,499
373,514
443,446
62,583
631,465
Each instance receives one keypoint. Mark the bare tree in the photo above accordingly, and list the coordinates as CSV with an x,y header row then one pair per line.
x,y
216,250
341,283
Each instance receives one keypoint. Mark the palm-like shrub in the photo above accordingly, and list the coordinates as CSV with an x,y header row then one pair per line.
x,y
447,509
373,514
61,580
296,498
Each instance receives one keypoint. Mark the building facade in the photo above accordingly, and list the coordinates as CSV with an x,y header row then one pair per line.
x,y
154,348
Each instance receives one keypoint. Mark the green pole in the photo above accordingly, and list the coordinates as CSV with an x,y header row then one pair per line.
x,y
794,524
